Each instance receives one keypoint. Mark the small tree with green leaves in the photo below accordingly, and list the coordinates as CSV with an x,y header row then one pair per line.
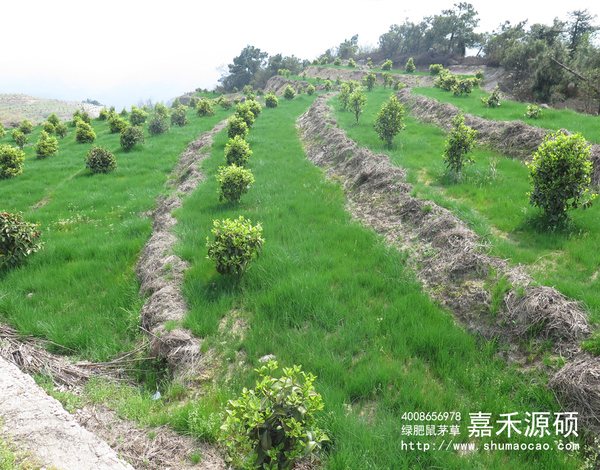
x,y
2,131
369,80
310,90
117,124
387,65
351,63
463,87
271,100
237,151
53,119
328,85
357,102
274,425
236,126
289,93
461,141
138,116
389,121
243,111
237,244
25,126
158,125
11,161
49,128
255,107
387,79
435,69
369,62
100,160
225,103
46,146
84,133
205,107
410,65
533,112
130,136
193,102
61,130
20,139
103,115
492,101
18,239
337,61
161,110
234,182
560,173
179,116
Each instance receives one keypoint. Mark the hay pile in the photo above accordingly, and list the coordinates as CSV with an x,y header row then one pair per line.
x,y
161,272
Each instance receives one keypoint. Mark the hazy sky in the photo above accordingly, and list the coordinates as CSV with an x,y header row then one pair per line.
x,y
121,51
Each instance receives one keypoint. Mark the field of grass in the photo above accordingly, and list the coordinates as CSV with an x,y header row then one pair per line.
x,y
491,197
326,293
553,119
80,291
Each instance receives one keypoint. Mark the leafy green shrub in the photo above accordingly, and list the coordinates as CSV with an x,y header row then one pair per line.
x,y
161,111
387,79
46,146
85,117
176,103
410,65
193,102
446,81
18,239
351,63
103,116
328,85
234,181
84,133
49,128
124,112
100,160
369,80
179,116
460,142
300,89
389,121
205,107
289,93
237,243
435,69
20,139
255,107
399,85
318,79
25,126
338,79
271,100
387,65
237,151
76,118
243,111
117,124
479,75
2,131
533,111
225,103
463,87
492,101
248,90
273,425
310,90
138,116
11,161
560,173
53,119
158,125
356,102
337,61
236,126
61,130
130,136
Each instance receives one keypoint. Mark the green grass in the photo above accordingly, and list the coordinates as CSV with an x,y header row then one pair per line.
x,y
552,119
491,197
330,295
80,291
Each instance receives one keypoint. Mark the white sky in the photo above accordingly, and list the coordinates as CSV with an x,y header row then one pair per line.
x,y
121,51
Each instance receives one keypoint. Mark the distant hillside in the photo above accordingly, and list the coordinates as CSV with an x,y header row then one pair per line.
x,y
16,107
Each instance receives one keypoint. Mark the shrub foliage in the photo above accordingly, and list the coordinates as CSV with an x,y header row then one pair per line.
x,y
11,161
237,243
158,125
460,142
274,425
560,173
46,146
234,182
236,126
389,121
18,238
84,133
237,151
100,160
271,100
131,136
289,93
